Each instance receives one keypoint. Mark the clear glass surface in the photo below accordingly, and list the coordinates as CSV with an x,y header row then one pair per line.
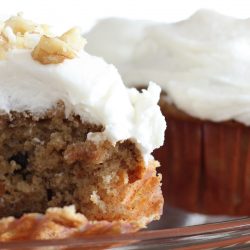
x,y
177,229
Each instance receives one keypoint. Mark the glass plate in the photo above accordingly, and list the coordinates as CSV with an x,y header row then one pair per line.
x,y
177,229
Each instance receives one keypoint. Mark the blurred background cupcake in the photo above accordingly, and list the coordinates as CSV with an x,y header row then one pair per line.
x,y
202,65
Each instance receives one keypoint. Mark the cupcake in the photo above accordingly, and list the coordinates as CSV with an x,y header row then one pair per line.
x,y
202,66
75,143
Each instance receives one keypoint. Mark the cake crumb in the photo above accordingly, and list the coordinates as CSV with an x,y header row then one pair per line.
x,y
95,198
35,174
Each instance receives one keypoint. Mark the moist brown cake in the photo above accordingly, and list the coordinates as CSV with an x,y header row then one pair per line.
x,y
48,162
61,174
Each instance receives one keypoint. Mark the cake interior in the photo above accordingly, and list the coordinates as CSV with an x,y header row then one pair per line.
x,y
48,162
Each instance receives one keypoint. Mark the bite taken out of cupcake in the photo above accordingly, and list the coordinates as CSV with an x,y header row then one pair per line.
x,y
202,64
75,142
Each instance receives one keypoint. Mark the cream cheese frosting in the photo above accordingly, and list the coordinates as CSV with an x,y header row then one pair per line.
x,y
90,88
201,63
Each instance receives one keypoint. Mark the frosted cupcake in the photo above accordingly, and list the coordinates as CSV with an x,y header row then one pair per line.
x,y
202,66
76,144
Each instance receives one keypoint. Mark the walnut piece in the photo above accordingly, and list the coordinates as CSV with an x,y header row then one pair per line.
x,y
18,32
19,25
74,39
54,50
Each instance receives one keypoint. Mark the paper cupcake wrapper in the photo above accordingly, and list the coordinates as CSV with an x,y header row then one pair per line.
x,y
206,166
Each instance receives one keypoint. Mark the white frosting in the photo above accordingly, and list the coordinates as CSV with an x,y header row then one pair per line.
x,y
89,87
202,63
118,39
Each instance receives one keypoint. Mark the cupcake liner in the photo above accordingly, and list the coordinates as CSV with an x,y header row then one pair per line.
x,y
180,164
206,165
226,163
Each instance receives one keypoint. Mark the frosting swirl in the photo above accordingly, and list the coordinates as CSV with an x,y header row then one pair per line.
x,y
88,86
201,63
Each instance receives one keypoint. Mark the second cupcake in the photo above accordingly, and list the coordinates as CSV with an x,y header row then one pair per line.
x,y
202,66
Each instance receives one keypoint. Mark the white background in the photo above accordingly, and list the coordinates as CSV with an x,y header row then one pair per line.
x,y
84,13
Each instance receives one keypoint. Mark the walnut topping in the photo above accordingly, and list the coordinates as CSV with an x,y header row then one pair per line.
x,y
18,32
74,39
53,50
19,25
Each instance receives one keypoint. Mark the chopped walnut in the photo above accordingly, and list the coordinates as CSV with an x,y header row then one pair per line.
x,y
9,35
74,39
18,32
53,50
19,25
